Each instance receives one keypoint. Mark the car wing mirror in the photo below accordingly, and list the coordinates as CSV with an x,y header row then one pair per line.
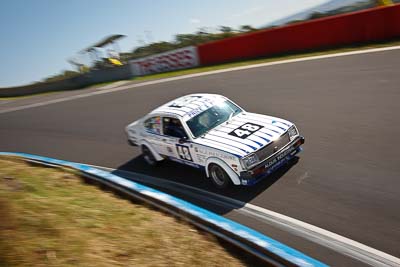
x,y
183,140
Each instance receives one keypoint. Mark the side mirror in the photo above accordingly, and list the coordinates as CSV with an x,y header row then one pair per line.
x,y
182,140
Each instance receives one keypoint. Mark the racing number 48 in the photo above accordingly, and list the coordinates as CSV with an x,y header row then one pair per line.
x,y
245,130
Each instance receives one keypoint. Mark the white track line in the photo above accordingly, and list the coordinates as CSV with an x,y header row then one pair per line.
x,y
313,233
113,85
124,87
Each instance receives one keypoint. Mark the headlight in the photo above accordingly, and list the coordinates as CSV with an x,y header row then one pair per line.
x,y
292,132
250,160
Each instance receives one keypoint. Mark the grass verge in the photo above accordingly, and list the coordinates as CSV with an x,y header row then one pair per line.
x,y
51,218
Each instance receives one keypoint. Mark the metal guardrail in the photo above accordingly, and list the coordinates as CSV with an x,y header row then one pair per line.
x,y
94,77
251,241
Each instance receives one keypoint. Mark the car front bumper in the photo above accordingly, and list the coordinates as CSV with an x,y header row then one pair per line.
x,y
269,165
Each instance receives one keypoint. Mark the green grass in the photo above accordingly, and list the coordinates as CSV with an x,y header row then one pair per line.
x,y
27,96
49,217
93,86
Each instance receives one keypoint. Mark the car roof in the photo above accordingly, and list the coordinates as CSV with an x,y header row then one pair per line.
x,y
189,106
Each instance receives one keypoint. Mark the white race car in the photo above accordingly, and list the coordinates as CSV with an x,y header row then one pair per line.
x,y
210,131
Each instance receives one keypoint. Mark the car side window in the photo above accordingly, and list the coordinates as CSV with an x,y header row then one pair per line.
x,y
173,127
153,124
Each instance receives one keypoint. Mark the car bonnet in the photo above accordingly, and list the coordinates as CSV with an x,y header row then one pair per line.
x,y
245,133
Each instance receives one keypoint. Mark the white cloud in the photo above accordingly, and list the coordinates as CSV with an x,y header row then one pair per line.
x,y
194,21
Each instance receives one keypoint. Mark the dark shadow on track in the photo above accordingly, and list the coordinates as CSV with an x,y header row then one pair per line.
x,y
179,173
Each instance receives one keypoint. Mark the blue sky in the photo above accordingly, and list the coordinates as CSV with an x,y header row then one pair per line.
x,y
37,37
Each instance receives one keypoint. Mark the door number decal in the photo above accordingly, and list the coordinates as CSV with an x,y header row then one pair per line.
x,y
184,152
246,130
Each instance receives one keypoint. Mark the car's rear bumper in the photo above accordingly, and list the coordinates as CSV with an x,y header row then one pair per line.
x,y
271,164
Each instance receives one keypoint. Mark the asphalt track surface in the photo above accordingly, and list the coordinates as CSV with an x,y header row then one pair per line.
x,y
347,179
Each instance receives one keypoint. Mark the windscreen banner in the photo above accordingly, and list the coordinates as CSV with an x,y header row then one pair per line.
x,y
182,58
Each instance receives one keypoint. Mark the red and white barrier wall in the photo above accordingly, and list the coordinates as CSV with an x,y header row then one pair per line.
x,y
368,25
374,24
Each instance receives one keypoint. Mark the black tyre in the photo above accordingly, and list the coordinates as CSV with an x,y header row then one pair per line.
x,y
219,176
148,156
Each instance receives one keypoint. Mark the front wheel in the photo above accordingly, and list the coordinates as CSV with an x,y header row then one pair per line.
x,y
148,156
219,176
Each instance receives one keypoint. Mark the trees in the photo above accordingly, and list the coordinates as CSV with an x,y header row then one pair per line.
x,y
247,28
62,76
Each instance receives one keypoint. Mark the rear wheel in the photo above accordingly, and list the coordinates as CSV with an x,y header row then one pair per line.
x,y
148,156
219,176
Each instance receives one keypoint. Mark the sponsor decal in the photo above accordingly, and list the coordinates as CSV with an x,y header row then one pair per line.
x,y
195,111
201,159
210,153
182,58
246,130
279,157
201,150
184,101
220,155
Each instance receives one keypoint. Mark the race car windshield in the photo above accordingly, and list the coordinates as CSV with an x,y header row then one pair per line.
x,y
212,117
